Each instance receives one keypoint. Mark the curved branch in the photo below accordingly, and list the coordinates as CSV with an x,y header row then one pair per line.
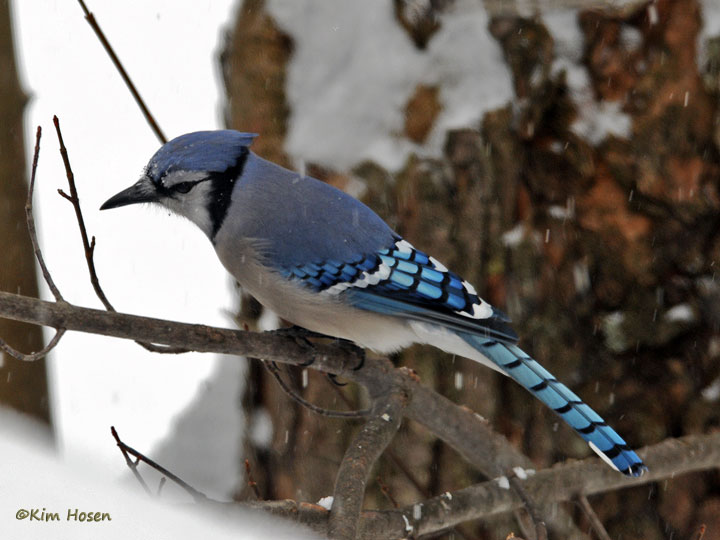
x,y
348,415
31,357
30,219
365,449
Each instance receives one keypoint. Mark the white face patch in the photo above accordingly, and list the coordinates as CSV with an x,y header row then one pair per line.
x,y
192,205
178,177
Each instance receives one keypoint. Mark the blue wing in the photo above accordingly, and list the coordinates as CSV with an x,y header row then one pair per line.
x,y
403,281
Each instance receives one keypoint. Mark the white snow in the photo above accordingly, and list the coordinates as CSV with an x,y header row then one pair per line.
x,y
514,236
596,120
205,444
260,428
354,69
326,502
710,27
37,483
520,473
503,482
712,391
581,277
408,526
148,264
417,511
680,313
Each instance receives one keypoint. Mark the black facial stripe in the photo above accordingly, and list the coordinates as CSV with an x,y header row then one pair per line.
x,y
222,184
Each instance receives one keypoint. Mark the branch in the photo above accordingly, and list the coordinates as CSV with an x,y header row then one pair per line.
x,y
556,484
348,415
89,245
30,219
125,449
459,427
365,449
456,425
90,18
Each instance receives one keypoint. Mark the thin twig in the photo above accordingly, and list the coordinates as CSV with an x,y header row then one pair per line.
x,y
132,465
386,491
275,372
90,18
125,449
593,517
30,219
538,522
89,245
32,357
251,481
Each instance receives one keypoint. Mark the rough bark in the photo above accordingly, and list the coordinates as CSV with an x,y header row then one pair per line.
x,y
610,277
23,386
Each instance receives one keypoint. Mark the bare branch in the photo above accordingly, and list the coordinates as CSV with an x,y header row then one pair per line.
x,y
273,369
594,519
31,357
132,465
365,449
90,18
538,525
457,426
89,246
560,483
75,201
30,218
251,481
125,449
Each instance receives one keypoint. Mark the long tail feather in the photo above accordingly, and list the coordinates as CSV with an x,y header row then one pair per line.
x,y
586,422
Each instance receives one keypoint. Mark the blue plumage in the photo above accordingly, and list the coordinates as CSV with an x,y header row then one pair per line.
x,y
543,385
207,151
323,260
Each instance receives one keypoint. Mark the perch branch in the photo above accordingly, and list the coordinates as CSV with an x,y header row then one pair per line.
x,y
365,449
90,18
456,425
462,429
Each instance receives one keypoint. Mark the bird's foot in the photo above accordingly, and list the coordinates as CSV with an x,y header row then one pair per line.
x,y
301,335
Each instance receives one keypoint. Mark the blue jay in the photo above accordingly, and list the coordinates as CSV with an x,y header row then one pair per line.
x,y
324,261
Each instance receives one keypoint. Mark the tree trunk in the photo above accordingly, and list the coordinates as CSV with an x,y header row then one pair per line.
x,y
603,251
23,385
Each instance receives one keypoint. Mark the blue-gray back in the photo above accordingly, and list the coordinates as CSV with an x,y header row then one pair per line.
x,y
298,219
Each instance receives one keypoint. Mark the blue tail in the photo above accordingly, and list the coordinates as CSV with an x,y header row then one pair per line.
x,y
528,372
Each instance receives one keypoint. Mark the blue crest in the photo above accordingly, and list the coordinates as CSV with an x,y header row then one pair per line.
x,y
212,151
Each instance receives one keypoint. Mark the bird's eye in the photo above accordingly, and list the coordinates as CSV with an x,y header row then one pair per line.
x,y
183,187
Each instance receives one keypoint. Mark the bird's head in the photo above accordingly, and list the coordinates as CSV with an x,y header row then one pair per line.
x,y
193,176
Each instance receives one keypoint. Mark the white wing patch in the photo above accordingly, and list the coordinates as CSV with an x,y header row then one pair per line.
x,y
476,307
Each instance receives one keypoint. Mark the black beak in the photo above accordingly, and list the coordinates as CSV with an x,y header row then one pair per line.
x,y
142,191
